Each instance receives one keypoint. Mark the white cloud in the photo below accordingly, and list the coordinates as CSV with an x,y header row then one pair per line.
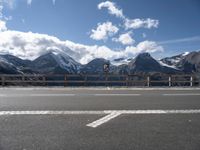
x,y
149,46
2,26
54,2
125,39
112,8
141,23
128,23
145,46
103,31
32,45
29,2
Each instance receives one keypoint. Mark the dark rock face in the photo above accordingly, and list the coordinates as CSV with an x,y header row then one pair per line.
x,y
13,65
16,61
144,63
6,68
95,66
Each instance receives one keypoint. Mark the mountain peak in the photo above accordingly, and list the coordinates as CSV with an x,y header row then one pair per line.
x,y
95,66
146,55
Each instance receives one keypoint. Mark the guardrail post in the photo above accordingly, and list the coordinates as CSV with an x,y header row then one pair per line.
x,y
85,80
191,81
170,81
23,79
43,80
148,81
106,79
65,80
127,80
3,80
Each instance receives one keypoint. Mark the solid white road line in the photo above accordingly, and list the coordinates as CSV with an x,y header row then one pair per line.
x,y
63,95
50,112
111,114
182,94
103,120
187,111
35,95
98,95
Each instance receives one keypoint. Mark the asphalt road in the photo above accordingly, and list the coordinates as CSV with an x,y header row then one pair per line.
x,y
99,119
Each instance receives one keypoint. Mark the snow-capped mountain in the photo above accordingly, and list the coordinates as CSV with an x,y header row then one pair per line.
x,y
55,62
174,60
94,66
145,63
49,63
7,68
18,65
186,62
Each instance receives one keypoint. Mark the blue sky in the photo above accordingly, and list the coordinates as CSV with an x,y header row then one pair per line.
x,y
173,24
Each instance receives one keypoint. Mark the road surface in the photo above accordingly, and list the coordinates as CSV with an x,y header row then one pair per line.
x,y
99,119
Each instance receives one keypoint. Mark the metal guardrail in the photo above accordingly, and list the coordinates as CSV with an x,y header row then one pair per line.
x,y
100,80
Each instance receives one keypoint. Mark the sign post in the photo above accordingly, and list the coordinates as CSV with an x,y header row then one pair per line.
x,y
106,69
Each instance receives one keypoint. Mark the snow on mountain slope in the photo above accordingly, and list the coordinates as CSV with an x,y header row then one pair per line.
x,y
56,62
174,60
166,65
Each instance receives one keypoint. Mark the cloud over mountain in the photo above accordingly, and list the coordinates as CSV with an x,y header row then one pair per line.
x,y
125,39
28,45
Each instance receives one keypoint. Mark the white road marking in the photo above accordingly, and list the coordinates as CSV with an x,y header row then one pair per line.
x,y
36,95
117,94
182,94
40,95
50,112
62,95
111,114
188,111
103,120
